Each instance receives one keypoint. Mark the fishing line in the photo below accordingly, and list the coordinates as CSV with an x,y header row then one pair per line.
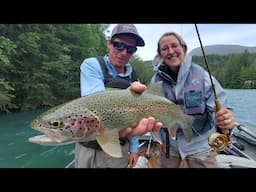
x,y
217,102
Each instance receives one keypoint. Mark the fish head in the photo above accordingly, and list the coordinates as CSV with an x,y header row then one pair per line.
x,y
61,124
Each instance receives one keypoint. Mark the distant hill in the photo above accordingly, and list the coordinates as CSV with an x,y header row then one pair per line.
x,y
222,50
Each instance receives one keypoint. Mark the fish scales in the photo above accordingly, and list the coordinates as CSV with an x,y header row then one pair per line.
x,y
120,109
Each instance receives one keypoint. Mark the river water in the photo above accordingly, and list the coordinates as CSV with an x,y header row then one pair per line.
x,y
17,152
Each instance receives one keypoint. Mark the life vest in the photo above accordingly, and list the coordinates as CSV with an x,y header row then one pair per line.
x,y
116,82
191,98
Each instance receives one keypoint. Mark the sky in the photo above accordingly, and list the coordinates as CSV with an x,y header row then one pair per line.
x,y
210,34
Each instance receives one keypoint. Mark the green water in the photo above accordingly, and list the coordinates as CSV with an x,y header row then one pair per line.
x,y
17,152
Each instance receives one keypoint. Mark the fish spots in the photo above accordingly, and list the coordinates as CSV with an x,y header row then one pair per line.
x,y
73,134
92,126
81,126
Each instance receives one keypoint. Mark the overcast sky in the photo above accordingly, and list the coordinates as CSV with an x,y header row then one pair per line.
x,y
210,34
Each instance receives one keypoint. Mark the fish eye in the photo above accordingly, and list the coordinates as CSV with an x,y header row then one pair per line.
x,y
55,124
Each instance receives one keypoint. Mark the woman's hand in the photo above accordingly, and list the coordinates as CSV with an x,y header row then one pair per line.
x,y
225,119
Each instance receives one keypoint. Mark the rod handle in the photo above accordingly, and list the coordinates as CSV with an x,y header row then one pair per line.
x,y
218,107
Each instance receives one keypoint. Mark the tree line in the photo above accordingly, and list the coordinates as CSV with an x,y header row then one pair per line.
x,y
234,71
40,63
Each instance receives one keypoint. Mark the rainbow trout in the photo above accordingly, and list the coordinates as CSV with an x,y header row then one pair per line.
x,y
102,115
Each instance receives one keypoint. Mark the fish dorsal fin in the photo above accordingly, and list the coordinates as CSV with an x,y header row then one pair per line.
x,y
155,88
109,142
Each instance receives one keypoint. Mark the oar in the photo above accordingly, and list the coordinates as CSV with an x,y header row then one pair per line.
x,y
246,130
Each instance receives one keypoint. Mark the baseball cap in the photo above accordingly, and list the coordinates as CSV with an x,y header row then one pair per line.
x,y
130,30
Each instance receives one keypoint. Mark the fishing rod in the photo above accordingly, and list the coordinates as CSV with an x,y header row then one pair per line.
x,y
218,140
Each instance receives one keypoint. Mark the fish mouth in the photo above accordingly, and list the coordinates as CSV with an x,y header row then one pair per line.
x,y
46,141
42,139
56,135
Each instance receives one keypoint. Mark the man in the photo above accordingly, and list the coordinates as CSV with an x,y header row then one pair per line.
x,y
112,70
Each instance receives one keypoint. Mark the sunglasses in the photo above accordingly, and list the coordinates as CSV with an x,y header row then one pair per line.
x,y
121,46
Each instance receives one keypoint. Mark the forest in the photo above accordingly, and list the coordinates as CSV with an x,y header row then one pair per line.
x,y
234,71
40,64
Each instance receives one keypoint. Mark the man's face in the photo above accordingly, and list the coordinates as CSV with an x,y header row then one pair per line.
x,y
121,48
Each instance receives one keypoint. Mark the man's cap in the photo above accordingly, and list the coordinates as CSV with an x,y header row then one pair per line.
x,y
130,30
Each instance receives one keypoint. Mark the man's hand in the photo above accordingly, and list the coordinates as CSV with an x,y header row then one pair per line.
x,y
146,124
133,158
137,87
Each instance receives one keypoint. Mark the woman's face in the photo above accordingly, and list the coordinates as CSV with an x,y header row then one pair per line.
x,y
171,51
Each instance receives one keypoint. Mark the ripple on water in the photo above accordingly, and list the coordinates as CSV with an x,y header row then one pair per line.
x,y
20,155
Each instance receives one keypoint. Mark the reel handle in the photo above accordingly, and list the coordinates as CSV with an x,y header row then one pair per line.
x,y
219,140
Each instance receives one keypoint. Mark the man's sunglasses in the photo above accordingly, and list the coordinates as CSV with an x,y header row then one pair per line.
x,y
121,46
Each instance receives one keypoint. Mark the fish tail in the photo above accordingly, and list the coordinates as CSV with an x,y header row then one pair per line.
x,y
187,127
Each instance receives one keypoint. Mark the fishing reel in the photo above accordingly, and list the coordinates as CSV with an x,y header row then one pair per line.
x,y
218,141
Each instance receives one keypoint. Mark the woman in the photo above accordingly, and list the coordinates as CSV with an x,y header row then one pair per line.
x,y
188,85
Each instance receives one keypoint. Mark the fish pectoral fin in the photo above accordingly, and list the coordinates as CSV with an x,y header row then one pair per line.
x,y
109,143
